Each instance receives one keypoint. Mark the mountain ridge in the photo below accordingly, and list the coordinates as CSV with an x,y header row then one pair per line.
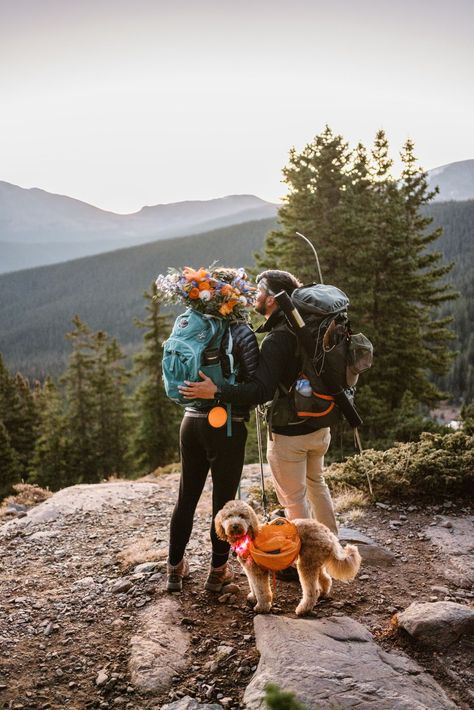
x,y
33,221
454,180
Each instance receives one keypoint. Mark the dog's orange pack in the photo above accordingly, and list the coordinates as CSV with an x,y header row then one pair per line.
x,y
277,545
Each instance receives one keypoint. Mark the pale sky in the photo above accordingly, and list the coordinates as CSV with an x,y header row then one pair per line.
x,y
125,103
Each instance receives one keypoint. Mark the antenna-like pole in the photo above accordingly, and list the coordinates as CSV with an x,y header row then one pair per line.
x,y
315,255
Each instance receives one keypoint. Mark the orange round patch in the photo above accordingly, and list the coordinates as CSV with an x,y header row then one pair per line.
x,y
217,417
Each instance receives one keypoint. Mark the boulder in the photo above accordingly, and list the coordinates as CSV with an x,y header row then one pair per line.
x,y
81,498
437,624
188,703
453,537
158,651
371,552
334,662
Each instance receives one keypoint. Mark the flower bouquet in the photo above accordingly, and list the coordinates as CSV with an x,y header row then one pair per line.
x,y
218,291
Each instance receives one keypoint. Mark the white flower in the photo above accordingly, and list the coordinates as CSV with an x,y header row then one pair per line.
x,y
243,300
205,295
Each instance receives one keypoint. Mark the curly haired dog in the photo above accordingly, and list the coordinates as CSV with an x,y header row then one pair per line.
x,y
319,555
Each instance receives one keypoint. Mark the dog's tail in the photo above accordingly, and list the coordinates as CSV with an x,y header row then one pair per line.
x,y
344,562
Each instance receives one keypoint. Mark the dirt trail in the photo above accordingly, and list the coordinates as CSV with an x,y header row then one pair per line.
x,y
64,619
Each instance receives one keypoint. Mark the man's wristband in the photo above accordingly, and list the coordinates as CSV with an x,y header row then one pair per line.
x,y
217,394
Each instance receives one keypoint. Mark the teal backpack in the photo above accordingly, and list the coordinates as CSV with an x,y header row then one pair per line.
x,y
195,344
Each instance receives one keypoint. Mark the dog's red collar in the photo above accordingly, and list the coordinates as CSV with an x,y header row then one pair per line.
x,y
241,547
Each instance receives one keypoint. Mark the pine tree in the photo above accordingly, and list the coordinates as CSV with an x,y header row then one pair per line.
x,y
18,413
156,418
50,466
371,233
81,405
10,470
96,409
317,178
108,382
27,416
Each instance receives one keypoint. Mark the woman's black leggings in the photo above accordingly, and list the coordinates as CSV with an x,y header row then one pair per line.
x,y
203,447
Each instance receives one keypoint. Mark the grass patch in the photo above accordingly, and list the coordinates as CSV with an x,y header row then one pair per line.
x,y
143,550
25,494
161,471
350,499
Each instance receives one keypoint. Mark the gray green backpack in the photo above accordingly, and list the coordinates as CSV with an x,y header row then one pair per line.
x,y
339,355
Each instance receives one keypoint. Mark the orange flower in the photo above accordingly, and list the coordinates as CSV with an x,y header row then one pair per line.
x,y
226,290
194,293
204,286
191,274
227,308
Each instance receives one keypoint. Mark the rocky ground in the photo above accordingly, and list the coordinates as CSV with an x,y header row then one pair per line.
x,y
84,614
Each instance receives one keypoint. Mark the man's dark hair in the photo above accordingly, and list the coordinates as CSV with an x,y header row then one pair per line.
x,y
276,281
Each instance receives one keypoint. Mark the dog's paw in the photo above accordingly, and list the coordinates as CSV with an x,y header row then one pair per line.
x,y
303,609
251,598
262,608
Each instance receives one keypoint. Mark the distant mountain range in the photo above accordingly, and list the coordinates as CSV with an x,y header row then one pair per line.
x,y
106,290
455,181
39,228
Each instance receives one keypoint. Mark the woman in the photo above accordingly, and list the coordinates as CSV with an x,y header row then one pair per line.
x,y
203,446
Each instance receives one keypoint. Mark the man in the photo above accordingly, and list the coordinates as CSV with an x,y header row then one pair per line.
x,y
295,452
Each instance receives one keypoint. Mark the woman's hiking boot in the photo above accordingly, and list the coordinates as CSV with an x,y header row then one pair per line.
x,y
218,577
176,574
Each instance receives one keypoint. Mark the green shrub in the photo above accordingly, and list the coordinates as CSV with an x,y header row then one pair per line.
x,y
436,466
278,699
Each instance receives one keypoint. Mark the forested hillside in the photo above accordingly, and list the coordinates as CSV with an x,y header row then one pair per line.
x,y
457,245
37,305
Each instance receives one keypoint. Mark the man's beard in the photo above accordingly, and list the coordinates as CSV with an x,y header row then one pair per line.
x,y
261,308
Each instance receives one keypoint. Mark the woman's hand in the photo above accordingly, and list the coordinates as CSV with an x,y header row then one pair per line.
x,y
206,389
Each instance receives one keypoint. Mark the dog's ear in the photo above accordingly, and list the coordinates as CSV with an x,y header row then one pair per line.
x,y
253,522
218,524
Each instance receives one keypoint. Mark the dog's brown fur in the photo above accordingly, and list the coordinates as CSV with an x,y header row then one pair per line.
x,y
320,556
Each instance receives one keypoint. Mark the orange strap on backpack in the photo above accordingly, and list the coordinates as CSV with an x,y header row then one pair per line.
x,y
276,546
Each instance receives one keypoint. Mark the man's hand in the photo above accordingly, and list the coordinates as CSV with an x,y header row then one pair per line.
x,y
206,389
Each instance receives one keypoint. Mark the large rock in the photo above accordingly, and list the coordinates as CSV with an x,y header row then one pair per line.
x,y
188,703
437,624
453,536
334,662
371,552
159,648
81,498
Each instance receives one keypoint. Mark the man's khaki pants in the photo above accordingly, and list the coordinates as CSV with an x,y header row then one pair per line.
x,y
297,465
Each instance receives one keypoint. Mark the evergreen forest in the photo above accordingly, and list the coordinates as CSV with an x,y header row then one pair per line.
x,y
81,394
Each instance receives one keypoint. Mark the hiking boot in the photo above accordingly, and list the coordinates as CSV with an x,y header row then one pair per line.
x,y
175,575
218,577
290,574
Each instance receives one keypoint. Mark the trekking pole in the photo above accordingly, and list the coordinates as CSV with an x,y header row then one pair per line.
x,y
361,450
260,458
315,255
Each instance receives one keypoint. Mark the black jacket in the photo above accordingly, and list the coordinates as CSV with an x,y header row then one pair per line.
x,y
246,355
278,363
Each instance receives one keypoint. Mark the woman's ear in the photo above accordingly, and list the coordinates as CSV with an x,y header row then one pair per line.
x,y
218,524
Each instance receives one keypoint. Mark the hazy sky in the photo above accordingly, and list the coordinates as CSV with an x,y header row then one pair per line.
x,y
123,103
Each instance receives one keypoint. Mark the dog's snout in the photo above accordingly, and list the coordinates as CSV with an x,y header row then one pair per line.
x,y
236,528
